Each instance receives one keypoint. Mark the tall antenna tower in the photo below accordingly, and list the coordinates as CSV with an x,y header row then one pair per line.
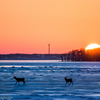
x,y
48,48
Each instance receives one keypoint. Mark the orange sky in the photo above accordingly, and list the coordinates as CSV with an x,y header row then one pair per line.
x,y
28,26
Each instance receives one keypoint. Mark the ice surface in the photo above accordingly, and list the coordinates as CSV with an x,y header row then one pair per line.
x,y
45,80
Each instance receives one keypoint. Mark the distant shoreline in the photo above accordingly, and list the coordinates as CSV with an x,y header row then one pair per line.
x,y
30,56
72,56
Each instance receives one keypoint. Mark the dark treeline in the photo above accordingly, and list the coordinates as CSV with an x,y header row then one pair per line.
x,y
82,55
74,55
30,56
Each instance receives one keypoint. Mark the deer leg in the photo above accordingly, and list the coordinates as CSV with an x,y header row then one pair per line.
x,y
16,83
23,82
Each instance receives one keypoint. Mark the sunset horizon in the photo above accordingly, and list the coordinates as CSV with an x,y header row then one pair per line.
x,y
28,27
82,48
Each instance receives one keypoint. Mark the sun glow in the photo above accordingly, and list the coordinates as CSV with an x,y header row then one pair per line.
x,y
92,46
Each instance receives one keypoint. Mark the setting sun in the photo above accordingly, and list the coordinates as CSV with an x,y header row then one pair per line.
x,y
92,46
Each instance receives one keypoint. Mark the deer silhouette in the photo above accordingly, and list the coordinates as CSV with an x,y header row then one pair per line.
x,y
69,81
19,80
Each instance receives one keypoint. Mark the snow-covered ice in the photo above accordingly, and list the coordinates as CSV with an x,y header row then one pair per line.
x,y
45,80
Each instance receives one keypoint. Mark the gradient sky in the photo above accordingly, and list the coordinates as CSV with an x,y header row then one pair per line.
x,y
28,26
